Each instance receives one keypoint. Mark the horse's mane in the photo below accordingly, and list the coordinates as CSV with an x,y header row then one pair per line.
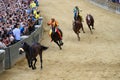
x,y
26,46
25,43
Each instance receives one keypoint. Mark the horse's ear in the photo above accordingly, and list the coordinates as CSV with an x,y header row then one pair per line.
x,y
44,47
23,43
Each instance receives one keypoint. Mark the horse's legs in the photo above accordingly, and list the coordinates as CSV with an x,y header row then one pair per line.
x,y
93,26
28,60
61,43
90,29
29,64
41,58
83,29
35,63
78,36
58,44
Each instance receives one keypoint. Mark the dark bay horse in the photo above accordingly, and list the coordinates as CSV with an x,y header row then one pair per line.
x,y
77,25
90,22
31,53
56,38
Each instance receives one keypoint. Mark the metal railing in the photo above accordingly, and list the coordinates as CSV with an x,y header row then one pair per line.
x,y
107,4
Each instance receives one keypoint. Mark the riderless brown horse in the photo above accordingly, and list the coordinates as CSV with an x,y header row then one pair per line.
x,y
77,25
90,22
31,53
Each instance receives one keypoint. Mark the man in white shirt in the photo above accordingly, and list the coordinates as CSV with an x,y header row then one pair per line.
x,y
16,33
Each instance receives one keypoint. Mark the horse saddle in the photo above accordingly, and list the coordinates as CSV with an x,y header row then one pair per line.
x,y
55,30
51,30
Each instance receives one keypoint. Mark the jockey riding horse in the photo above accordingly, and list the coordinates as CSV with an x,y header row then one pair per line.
x,y
55,33
77,15
77,23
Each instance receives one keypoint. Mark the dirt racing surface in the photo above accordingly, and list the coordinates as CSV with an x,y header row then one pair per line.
x,y
95,57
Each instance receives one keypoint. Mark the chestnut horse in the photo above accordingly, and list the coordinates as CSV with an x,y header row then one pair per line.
x,y
77,25
90,22
31,53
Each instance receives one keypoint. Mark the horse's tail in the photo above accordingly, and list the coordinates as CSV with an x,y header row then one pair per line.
x,y
44,47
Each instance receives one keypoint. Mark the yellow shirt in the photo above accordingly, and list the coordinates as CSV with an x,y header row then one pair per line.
x,y
32,5
34,12
37,16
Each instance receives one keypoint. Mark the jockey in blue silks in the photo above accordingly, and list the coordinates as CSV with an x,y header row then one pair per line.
x,y
76,12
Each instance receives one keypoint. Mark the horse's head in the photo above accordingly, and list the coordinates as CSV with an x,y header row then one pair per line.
x,y
23,48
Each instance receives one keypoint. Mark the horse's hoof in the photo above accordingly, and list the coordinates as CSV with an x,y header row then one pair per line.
x,y
62,44
33,68
41,67
30,66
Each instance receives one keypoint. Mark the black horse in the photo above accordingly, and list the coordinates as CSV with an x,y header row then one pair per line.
x,y
56,37
31,53
90,22
77,25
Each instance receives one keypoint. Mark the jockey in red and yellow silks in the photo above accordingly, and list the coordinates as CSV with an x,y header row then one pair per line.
x,y
54,25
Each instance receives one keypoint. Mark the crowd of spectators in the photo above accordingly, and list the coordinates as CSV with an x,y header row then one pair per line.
x,y
115,1
17,19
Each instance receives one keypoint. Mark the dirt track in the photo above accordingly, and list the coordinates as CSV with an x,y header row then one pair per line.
x,y
95,57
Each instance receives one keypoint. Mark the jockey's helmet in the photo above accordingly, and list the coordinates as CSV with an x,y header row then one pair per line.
x,y
53,19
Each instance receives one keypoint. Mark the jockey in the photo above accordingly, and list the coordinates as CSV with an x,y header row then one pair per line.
x,y
76,12
54,27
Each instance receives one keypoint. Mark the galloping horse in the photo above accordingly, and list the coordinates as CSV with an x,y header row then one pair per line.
x,y
31,53
77,25
56,38
90,21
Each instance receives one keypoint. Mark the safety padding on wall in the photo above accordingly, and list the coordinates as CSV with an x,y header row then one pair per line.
x,y
2,60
